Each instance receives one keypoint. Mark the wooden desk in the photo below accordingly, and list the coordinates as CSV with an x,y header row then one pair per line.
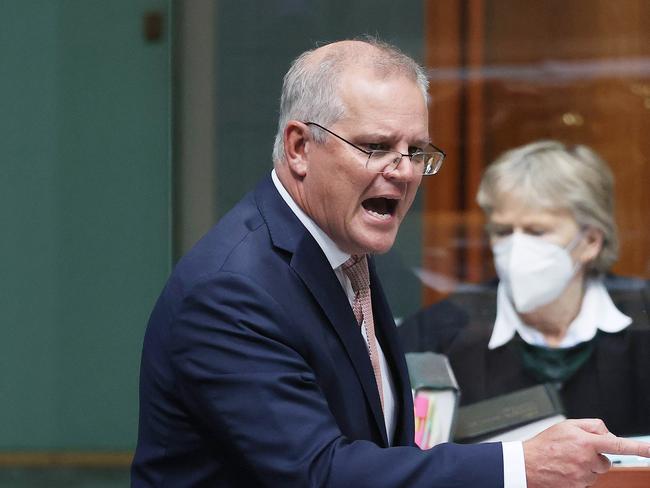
x,y
625,478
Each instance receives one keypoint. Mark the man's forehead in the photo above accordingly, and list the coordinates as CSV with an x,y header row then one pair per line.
x,y
379,103
363,79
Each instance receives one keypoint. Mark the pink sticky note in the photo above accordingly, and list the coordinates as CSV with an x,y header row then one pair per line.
x,y
421,406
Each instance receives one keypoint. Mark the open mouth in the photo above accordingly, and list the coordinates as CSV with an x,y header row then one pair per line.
x,y
383,208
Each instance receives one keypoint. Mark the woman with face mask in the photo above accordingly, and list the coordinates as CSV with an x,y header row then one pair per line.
x,y
556,315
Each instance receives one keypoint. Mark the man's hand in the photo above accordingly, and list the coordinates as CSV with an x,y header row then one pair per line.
x,y
570,454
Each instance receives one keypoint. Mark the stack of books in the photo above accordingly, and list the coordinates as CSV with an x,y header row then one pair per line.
x,y
518,415
435,397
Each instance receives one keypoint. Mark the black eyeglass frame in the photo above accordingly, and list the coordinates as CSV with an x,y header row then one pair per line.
x,y
436,150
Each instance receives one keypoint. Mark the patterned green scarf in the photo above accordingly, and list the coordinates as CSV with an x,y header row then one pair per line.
x,y
554,364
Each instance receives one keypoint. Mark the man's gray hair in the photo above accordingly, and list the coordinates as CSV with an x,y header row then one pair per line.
x,y
310,89
551,175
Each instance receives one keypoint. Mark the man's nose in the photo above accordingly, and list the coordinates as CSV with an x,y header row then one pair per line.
x,y
404,171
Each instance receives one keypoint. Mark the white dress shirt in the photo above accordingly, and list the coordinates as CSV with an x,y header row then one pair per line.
x,y
513,453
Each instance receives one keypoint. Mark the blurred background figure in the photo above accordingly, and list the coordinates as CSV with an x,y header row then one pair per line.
x,y
556,314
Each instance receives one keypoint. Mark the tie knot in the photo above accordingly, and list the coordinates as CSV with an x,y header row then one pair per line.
x,y
356,269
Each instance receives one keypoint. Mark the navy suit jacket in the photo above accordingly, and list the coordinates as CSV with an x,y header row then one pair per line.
x,y
254,372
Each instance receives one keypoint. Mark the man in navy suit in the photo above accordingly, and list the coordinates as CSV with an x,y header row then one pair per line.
x,y
255,370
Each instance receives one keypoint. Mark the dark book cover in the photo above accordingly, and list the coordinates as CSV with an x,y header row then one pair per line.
x,y
500,414
431,371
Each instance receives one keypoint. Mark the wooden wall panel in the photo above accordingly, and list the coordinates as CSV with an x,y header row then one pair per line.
x,y
442,194
578,71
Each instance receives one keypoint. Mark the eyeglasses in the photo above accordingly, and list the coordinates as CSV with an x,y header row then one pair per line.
x,y
385,162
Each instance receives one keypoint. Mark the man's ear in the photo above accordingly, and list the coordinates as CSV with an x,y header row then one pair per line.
x,y
296,147
593,244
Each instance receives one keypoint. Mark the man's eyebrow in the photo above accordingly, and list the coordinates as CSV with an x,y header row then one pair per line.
x,y
382,136
377,134
423,142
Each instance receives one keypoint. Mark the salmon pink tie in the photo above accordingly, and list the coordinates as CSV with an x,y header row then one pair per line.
x,y
356,269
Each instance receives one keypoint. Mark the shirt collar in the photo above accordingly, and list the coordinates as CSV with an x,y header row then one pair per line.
x,y
598,312
334,255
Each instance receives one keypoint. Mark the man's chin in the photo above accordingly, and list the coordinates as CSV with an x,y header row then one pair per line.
x,y
380,245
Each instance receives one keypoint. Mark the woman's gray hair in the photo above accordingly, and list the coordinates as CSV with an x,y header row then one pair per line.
x,y
310,89
552,175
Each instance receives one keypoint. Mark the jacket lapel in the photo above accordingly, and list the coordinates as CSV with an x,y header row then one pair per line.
x,y
311,265
314,270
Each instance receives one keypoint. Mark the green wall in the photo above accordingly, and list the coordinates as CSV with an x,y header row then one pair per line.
x,y
84,206
85,189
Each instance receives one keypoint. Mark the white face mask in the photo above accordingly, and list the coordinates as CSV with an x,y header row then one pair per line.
x,y
534,271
